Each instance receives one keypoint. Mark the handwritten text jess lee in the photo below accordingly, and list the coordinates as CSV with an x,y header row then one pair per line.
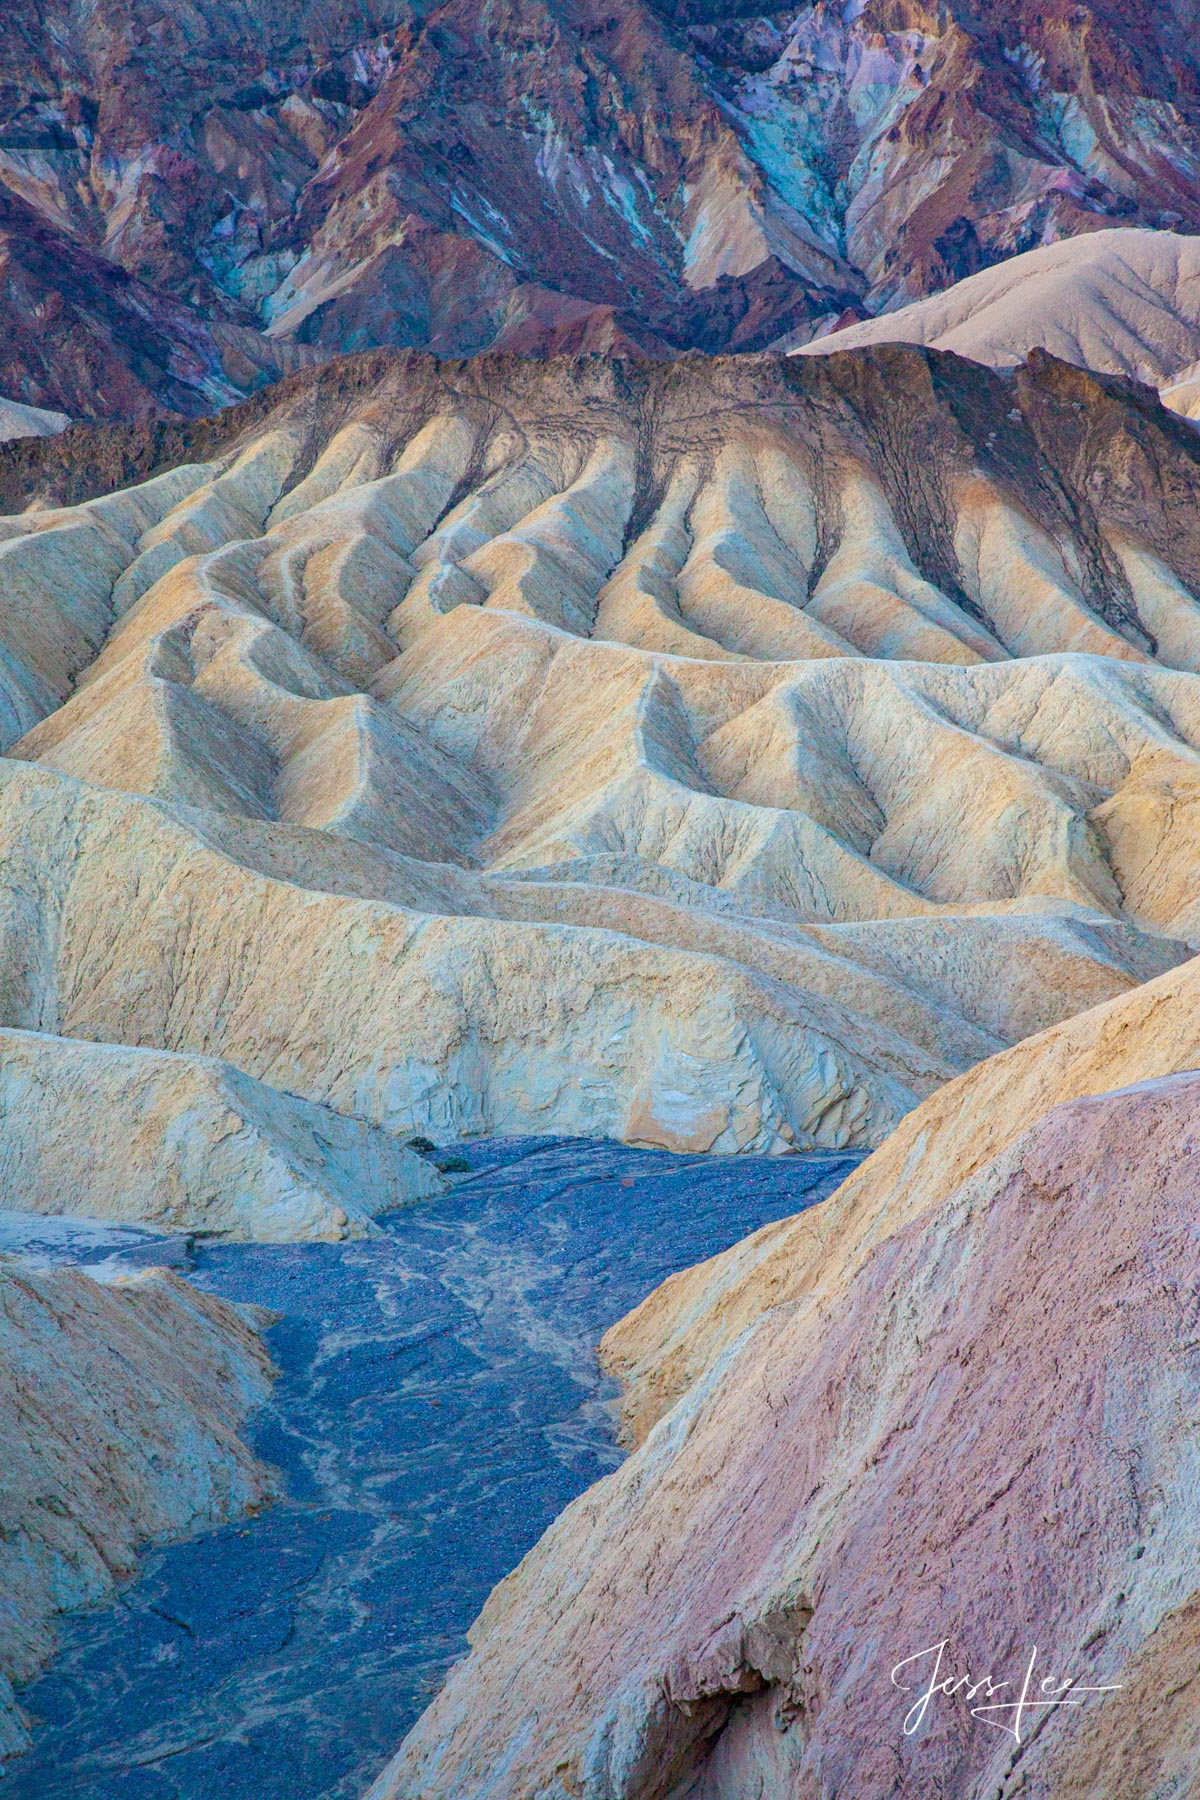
x,y
1005,1715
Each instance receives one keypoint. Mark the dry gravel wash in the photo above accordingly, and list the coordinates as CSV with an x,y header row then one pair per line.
x,y
720,756
438,1402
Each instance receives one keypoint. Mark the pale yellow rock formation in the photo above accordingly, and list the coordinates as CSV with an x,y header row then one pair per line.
x,y
189,1144
120,1401
722,757
684,1327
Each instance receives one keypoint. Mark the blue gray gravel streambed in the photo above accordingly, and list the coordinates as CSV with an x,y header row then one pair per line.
x,y
439,1402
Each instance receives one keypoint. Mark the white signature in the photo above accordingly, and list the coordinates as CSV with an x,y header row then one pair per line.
x,y
1005,1715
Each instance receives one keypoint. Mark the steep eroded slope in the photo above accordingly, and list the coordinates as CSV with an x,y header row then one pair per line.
x,y
720,756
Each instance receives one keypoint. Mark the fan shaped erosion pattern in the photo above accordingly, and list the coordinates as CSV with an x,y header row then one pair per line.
x,y
719,755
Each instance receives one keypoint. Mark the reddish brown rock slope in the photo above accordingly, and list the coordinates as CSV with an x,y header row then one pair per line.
x,y
190,196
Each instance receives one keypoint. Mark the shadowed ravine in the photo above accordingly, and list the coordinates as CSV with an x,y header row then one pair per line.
x,y
439,1402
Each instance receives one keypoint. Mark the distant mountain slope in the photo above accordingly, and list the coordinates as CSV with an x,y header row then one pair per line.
x,y
1182,392
1123,302
191,198
29,421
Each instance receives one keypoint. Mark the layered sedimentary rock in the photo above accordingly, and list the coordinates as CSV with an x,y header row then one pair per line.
x,y
954,1406
977,1434
721,756
1127,302
120,1402
191,199
684,1328
189,1144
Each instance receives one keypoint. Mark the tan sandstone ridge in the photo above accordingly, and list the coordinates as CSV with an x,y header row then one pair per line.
x,y
974,1426
721,756
120,1400
1123,301
189,1143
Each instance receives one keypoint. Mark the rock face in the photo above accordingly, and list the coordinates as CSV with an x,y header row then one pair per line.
x,y
17,421
120,1400
189,1144
978,1433
682,1330
190,200
718,755
1127,302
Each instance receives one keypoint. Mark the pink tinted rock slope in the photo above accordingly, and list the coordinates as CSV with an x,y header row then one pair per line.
x,y
986,1438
